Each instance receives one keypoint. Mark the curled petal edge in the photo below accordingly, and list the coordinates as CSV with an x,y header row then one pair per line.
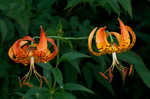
x,y
16,47
133,37
90,43
54,53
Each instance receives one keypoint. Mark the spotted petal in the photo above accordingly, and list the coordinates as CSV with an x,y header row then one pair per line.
x,y
101,40
18,51
125,37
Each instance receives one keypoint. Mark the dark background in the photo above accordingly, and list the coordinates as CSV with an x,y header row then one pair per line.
x,y
76,18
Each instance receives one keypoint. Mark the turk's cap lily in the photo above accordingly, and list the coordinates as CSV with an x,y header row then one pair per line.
x,y
105,47
27,51
22,50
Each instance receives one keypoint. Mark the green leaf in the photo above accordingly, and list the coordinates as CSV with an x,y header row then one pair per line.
x,y
104,82
88,74
4,5
3,30
102,60
133,58
75,64
31,92
143,36
20,16
37,92
47,74
114,5
63,95
72,3
126,4
70,74
10,29
19,93
77,87
58,76
45,4
46,66
70,56
105,5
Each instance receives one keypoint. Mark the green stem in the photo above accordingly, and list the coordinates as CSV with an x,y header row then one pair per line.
x,y
65,38
111,38
51,97
57,61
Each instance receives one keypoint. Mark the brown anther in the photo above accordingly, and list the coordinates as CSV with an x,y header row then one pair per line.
x,y
19,80
41,83
130,70
110,74
44,78
27,84
124,73
102,74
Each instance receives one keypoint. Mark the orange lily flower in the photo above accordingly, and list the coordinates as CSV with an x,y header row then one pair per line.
x,y
27,51
106,47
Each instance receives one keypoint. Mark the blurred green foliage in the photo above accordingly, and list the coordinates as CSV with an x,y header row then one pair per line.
x,y
77,74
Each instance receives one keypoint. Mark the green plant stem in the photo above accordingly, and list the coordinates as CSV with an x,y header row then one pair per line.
x,y
51,97
64,38
57,62
111,38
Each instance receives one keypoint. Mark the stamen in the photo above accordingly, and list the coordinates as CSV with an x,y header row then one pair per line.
x,y
130,70
41,83
28,75
124,73
110,74
27,84
115,60
102,74
38,76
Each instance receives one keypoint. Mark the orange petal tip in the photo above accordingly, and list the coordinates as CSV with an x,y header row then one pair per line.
x,y
41,28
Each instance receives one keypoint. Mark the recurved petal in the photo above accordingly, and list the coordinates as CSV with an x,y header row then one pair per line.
x,y
118,37
133,36
125,37
90,43
16,49
43,41
124,31
101,38
54,53
19,43
102,43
